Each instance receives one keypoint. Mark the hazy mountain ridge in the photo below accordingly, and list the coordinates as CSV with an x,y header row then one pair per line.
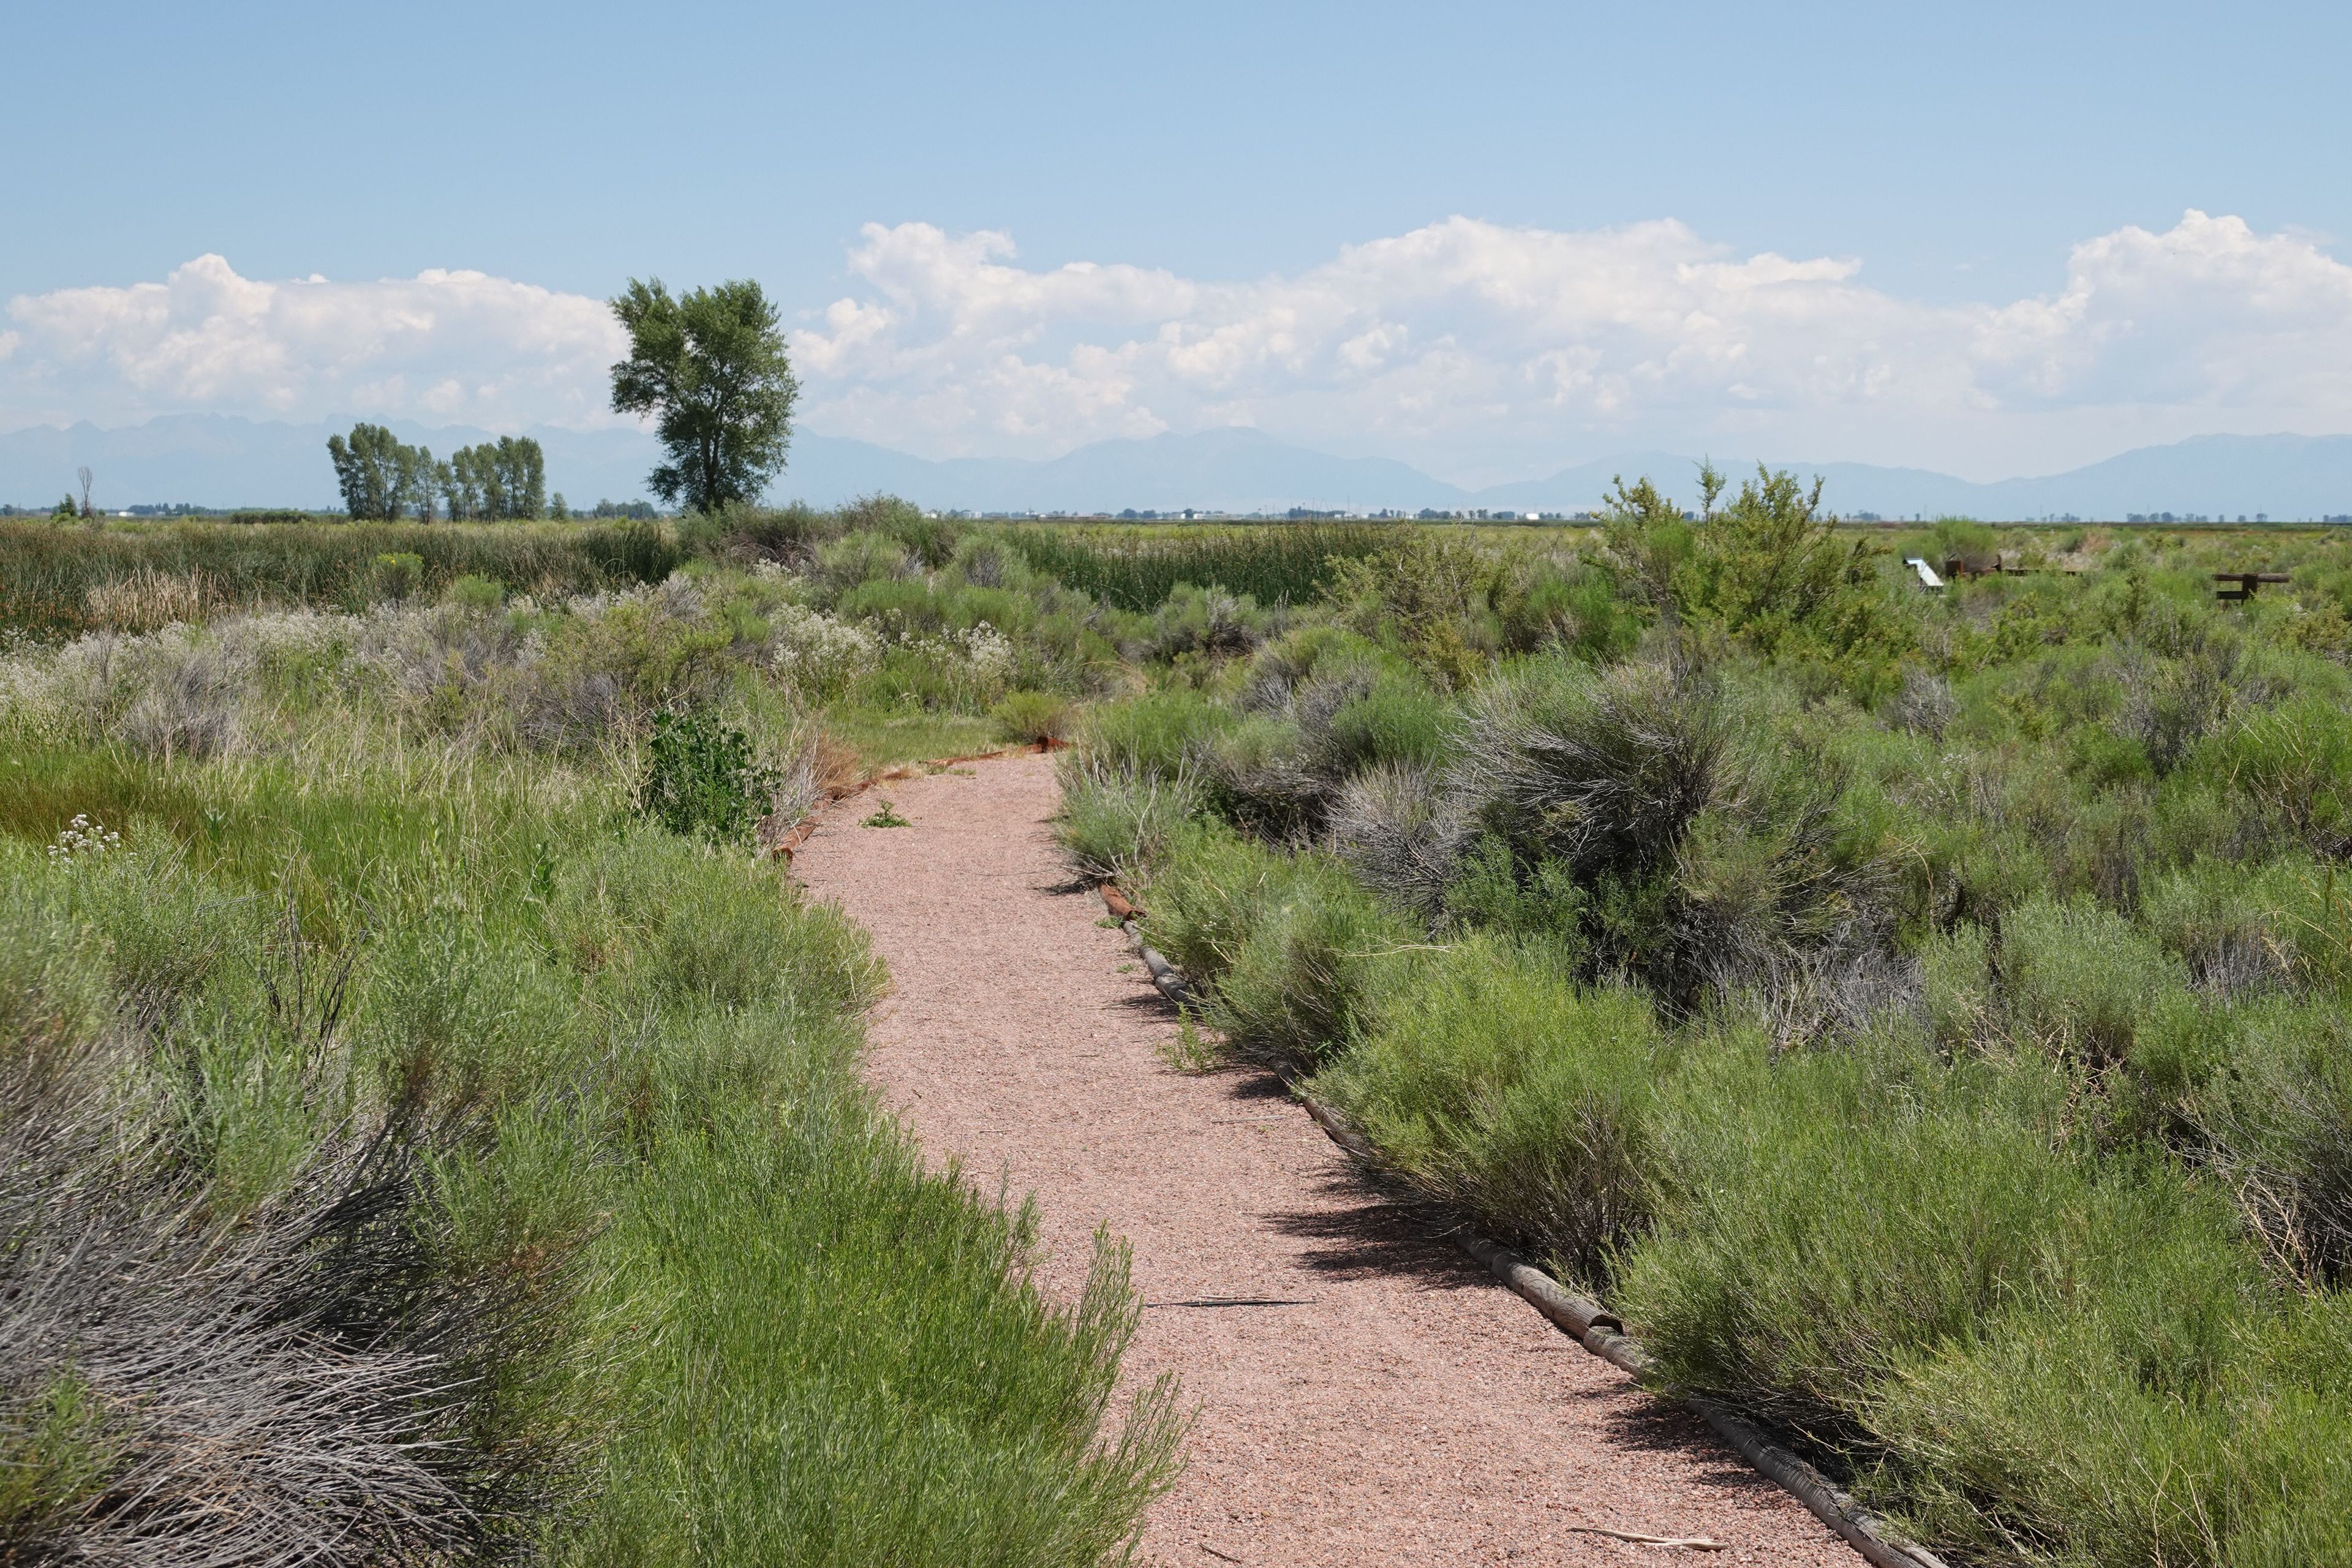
x,y
224,460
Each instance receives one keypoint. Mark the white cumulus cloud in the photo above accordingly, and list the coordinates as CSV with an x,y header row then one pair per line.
x,y
1476,351
1479,351
442,344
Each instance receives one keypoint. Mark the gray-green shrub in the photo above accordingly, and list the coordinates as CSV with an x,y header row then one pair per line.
x,y
1498,1087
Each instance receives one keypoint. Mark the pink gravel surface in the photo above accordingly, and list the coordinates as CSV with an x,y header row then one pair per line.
x,y
1413,1411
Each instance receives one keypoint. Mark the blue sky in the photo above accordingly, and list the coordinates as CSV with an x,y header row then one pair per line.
x,y
1958,155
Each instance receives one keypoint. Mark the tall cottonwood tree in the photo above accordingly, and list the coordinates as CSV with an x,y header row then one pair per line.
x,y
378,473
501,478
522,471
710,367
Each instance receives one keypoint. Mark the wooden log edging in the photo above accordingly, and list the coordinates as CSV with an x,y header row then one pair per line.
x,y
1601,1332
1164,975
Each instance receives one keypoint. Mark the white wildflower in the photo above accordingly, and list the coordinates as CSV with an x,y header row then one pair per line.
x,y
817,656
82,840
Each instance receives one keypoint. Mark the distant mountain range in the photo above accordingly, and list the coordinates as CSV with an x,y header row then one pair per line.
x,y
222,460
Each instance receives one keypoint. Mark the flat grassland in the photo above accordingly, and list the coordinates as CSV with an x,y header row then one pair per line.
x,y
1920,1014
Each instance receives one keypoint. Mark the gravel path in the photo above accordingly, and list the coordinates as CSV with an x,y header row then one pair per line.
x,y
1413,1411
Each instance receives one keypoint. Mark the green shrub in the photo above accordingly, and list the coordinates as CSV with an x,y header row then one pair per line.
x,y
1290,947
1602,772
854,559
168,931
1766,568
477,593
1394,829
900,604
887,1399
398,573
2295,761
949,673
1397,719
1154,736
1207,896
1206,621
929,539
1432,597
52,1002
1500,1088
1119,824
1281,771
1703,862
675,927
1957,989
1827,1214
699,778
2081,979
2275,1116
1581,610
1490,891
1287,662
1260,775
1307,977
2231,925
987,561
2157,1414
1031,717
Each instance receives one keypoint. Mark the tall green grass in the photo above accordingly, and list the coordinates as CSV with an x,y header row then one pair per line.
x,y
1289,563
48,572
534,1133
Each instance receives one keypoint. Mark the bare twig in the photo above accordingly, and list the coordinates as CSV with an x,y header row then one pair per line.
x,y
1695,1542
1241,1301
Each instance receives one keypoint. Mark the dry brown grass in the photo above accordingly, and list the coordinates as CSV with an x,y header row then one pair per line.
x,y
148,599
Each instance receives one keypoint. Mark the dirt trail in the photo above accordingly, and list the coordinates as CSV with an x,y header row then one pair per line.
x,y
1414,1412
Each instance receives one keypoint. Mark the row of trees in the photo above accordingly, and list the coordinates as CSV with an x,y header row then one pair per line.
x,y
383,477
507,477
709,367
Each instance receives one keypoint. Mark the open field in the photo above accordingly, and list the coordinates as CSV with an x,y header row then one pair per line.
x,y
1919,1014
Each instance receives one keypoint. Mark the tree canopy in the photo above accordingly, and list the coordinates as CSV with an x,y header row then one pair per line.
x,y
380,474
710,367
382,477
501,478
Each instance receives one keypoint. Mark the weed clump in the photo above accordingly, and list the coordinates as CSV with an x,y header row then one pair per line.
x,y
700,780
1034,718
